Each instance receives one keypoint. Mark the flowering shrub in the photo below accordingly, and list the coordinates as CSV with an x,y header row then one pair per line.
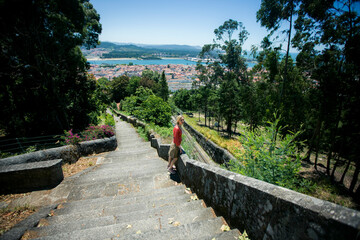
x,y
71,138
96,132
91,133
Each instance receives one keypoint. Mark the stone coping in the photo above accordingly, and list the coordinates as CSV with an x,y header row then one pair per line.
x,y
68,153
264,210
25,177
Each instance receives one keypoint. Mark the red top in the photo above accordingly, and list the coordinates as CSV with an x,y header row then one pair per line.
x,y
177,135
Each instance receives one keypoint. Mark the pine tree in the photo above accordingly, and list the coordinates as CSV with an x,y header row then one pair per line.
x,y
164,89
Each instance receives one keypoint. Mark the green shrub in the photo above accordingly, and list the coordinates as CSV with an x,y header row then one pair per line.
x,y
142,132
109,120
130,104
155,110
270,156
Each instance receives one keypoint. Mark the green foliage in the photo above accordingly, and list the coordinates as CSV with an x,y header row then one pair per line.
x,y
270,156
134,83
155,110
185,99
118,87
164,89
110,120
45,88
106,119
130,104
163,131
142,132
148,107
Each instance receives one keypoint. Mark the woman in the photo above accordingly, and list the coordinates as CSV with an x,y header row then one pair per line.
x,y
175,147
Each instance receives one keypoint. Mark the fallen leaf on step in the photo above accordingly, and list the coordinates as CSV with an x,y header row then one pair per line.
x,y
138,232
194,198
171,220
129,226
176,224
225,228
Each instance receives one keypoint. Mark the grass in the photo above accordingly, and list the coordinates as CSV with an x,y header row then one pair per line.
x,y
325,189
230,144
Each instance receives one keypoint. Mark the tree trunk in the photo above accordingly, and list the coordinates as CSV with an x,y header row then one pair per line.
x,y
287,54
317,148
332,176
345,171
229,123
314,136
355,177
333,136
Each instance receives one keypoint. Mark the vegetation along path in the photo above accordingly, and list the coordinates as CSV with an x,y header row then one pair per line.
x,y
130,195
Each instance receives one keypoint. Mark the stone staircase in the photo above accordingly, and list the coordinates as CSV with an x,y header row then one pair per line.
x,y
130,195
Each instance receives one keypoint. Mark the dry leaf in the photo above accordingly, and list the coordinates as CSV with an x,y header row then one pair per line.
x,y
194,198
176,224
225,228
138,232
129,226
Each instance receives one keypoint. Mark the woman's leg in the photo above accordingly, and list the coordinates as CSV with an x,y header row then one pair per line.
x,y
172,162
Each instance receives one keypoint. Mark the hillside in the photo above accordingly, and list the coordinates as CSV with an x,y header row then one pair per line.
x,y
146,51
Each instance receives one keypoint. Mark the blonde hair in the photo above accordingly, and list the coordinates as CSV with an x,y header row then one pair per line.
x,y
178,118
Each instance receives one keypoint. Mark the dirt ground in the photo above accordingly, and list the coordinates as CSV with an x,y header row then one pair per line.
x,y
10,216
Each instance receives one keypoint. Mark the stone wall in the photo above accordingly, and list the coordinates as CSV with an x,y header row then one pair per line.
x,y
267,211
42,169
68,153
264,210
218,154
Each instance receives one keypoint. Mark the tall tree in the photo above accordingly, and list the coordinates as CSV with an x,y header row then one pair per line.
x,y
118,88
44,86
334,26
271,15
230,53
164,89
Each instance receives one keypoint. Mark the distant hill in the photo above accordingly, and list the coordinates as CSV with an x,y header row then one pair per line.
x,y
146,51
172,47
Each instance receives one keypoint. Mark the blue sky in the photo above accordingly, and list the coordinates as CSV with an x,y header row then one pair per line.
x,y
189,22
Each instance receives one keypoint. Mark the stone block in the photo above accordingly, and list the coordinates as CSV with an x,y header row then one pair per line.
x,y
97,146
163,151
32,176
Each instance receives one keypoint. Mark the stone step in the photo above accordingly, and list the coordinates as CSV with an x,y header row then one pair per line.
x,y
196,230
144,222
132,216
159,178
229,235
133,152
133,142
137,169
127,206
130,157
136,197
124,231
123,164
122,147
